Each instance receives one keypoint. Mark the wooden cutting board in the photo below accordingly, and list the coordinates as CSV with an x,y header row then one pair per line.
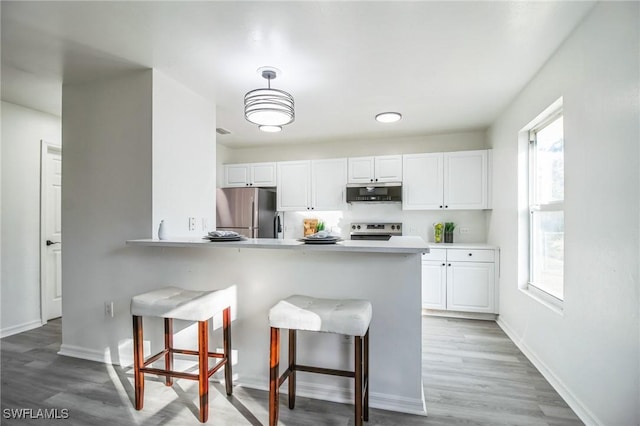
x,y
310,226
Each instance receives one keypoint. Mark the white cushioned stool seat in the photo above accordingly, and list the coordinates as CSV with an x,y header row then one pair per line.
x,y
342,316
173,302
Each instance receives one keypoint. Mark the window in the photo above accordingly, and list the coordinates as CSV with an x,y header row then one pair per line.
x,y
546,206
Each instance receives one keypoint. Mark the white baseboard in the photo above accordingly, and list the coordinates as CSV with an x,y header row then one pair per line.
x,y
15,329
457,314
574,402
344,395
88,354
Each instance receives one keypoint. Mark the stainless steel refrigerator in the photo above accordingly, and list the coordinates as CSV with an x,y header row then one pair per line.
x,y
247,211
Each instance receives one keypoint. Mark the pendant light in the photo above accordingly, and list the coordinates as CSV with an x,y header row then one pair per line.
x,y
269,108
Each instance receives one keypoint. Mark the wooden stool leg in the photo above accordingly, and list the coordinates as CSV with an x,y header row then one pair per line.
x,y
138,361
226,337
168,345
292,362
365,408
203,364
274,376
358,381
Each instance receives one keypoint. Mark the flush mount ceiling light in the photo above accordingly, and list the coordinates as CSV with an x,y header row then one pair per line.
x,y
388,117
269,108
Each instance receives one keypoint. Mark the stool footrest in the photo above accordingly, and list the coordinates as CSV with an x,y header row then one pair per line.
x,y
190,352
170,373
318,370
181,374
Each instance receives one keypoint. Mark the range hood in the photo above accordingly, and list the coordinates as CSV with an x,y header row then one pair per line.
x,y
390,192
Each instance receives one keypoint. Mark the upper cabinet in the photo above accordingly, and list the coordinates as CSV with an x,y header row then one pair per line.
x,y
385,168
450,180
249,174
311,185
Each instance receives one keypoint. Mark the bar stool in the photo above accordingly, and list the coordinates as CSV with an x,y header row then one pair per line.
x,y
175,303
349,317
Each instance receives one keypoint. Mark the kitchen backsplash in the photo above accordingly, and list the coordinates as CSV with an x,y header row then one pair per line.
x,y
472,223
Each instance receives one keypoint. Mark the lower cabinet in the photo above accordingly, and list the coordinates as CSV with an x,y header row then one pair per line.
x,y
459,280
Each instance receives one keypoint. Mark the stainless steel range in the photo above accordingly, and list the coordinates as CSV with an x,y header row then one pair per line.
x,y
375,231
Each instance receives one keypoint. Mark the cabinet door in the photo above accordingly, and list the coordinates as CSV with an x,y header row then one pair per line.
x,y
465,180
328,183
434,285
388,168
470,287
263,174
236,175
361,169
294,185
422,181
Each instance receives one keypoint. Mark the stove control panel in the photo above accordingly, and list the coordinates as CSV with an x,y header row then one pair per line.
x,y
377,228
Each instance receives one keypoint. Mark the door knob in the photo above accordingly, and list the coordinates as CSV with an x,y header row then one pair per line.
x,y
50,243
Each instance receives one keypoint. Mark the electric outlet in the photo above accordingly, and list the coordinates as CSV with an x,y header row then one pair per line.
x,y
205,224
464,230
108,309
192,224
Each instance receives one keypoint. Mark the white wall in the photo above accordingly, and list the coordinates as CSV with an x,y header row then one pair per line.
x,y
590,352
106,198
415,222
22,131
356,148
113,176
184,158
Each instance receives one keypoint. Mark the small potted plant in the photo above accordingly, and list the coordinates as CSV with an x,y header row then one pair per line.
x,y
448,231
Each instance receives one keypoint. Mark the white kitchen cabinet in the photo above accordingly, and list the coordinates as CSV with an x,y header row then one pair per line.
x,y
434,280
311,185
422,181
384,168
446,181
461,280
465,180
328,183
249,174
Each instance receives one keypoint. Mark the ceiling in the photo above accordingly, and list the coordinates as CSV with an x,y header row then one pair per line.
x,y
446,66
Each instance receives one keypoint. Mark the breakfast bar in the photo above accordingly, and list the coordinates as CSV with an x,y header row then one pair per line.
x,y
264,271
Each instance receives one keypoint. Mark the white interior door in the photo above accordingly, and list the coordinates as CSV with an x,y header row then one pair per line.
x,y
51,231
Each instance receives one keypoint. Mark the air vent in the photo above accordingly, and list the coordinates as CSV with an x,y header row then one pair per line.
x,y
222,131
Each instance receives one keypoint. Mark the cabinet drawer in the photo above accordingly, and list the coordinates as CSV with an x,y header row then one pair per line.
x,y
460,255
435,254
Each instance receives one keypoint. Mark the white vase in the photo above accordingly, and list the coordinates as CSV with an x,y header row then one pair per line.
x,y
162,231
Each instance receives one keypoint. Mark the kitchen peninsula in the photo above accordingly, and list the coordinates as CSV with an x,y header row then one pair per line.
x,y
387,273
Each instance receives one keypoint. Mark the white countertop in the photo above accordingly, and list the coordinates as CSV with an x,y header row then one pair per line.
x,y
463,246
395,245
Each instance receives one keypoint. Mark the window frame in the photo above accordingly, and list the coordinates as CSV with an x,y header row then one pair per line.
x,y
535,206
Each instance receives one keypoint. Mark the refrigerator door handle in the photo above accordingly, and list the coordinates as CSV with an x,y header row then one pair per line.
x,y
254,225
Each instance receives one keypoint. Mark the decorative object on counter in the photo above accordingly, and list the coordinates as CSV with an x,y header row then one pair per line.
x,y
162,231
320,226
321,237
223,236
310,226
269,108
448,231
437,232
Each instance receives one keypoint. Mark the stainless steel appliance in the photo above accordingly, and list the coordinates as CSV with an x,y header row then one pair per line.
x,y
374,193
248,211
375,231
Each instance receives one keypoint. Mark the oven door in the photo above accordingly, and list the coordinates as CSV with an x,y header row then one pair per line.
x,y
376,237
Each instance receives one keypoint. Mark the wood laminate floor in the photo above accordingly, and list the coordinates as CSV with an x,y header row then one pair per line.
x,y
473,375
